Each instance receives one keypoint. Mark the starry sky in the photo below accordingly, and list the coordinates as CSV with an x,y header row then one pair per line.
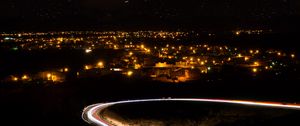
x,y
85,14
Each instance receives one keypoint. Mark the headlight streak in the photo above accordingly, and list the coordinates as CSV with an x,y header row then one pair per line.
x,y
90,113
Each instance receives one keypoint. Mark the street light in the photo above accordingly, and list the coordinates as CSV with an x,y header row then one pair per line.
x,y
129,73
293,55
254,70
100,64
25,77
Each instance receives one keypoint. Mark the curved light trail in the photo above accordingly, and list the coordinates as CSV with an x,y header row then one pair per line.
x,y
91,113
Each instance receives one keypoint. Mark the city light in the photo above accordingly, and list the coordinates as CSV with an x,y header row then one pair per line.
x,y
15,78
257,51
130,53
229,59
137,66
116,69
246,58
88,51
256,64
293,55
279,53
202,63
100,64
54,78
254,70
266,67
66,69
49,75
129,73
251,51
87,67
25,77
116,47
191,59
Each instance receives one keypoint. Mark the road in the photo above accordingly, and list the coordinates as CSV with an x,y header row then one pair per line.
x,y
92,113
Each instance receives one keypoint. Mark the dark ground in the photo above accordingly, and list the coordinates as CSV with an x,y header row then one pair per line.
x,y
63,104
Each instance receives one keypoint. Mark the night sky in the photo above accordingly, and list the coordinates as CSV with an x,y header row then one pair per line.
x,y
97,14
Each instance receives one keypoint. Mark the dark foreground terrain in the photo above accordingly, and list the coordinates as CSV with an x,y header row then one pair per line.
x,y
61,105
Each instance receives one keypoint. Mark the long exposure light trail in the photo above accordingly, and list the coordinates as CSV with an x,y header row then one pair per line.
x,y
91,114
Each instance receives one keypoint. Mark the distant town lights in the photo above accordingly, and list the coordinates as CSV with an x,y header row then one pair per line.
x,y
136,54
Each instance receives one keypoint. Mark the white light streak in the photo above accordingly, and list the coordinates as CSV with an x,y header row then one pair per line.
x,y
90,113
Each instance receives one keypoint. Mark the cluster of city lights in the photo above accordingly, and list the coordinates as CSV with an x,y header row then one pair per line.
x,y
138,55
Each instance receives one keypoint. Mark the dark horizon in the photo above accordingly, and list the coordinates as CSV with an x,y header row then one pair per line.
x,y
46,15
